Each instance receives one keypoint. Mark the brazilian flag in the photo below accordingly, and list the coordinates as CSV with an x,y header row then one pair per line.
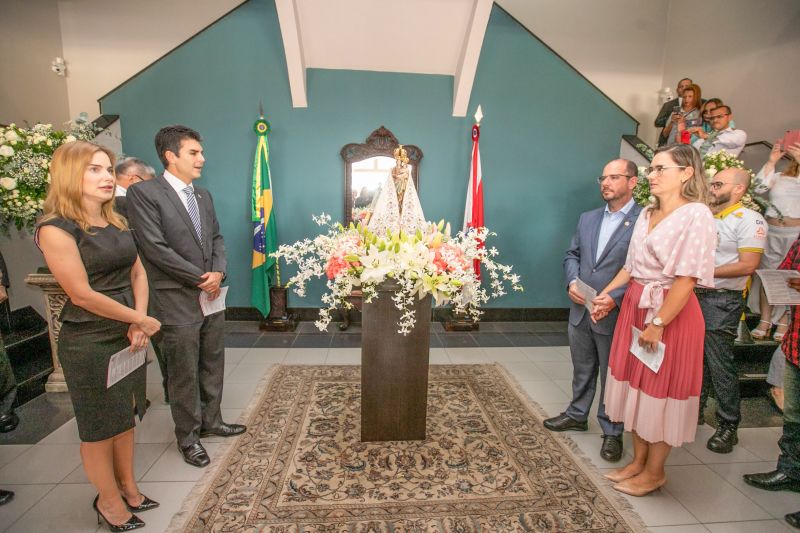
x,y
265,236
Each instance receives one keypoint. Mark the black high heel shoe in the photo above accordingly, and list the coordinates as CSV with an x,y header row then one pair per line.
x,y
133,522
146,504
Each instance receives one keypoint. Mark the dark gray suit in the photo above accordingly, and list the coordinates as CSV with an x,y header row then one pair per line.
x,y
174,259
590,343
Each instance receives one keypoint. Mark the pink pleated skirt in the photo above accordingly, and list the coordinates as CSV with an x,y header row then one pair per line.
x,y
659,407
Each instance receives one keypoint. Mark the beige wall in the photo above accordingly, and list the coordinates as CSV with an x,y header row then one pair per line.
x,y
745,52
125,37
30,38
617,44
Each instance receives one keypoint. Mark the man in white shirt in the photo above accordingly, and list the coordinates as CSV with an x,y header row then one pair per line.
x,y
177,233
741,237
723,138
129,171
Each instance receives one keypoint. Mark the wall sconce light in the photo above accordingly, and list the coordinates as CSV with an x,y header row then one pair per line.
x,y
59,67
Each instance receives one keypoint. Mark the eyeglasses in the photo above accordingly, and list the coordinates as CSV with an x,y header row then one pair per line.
x,y
612,177
658,170
134,177
716,185
713,117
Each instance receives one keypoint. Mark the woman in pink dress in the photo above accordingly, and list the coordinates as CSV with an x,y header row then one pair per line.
x,y
671,252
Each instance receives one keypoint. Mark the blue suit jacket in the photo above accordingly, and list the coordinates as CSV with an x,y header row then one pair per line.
x,y
579,262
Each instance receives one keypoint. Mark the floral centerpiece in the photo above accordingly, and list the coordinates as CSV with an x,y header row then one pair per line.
x,y
25,155
712,163
428,262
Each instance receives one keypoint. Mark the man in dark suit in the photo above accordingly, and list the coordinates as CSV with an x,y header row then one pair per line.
x,y
177,233
666,110
596,254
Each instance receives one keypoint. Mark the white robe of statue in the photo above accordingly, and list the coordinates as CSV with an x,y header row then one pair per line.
x,y
388,216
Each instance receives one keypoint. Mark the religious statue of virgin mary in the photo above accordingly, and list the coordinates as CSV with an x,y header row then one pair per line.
x,y
397,206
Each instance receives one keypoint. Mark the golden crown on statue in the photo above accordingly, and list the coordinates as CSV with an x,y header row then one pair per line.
x,y
401,155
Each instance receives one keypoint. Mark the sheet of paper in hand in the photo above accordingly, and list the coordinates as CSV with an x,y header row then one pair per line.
x,y
587,292
123,363
776,289
652,360
216,305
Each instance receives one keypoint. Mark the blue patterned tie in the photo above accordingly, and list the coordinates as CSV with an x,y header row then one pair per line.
x,y
194,211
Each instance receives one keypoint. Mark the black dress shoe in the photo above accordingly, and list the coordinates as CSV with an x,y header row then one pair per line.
x,y
775,480
611,450
724,438
146,505
6,496
793,519
9,422
133,522
564,422
195,455
224,430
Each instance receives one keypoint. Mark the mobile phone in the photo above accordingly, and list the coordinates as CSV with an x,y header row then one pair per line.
x,y
791,137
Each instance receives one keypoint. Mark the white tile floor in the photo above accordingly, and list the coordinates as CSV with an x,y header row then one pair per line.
x,y
705,491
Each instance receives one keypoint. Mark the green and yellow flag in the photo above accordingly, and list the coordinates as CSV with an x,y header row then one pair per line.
x,y
265,236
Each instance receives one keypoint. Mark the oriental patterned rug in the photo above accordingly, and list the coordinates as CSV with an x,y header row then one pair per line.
x,y
486,466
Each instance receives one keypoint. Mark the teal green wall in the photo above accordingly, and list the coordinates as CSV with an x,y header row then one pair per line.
x,y
545,134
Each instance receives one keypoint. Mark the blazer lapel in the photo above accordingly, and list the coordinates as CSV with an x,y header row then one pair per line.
x,y
598,220
624,226
179,207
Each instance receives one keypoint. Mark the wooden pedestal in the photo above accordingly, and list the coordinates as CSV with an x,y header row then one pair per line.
x,y
394,371
55,298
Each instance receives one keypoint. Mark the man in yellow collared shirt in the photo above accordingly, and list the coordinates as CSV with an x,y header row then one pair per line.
x,y
741,237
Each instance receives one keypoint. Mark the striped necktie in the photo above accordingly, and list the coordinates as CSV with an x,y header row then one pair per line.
x,y
194,211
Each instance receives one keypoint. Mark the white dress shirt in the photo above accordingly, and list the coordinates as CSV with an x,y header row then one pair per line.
x,y
178,185
120,191
611,221
728,140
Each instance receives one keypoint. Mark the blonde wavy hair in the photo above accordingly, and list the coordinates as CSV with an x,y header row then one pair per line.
x,y
65,194
695,189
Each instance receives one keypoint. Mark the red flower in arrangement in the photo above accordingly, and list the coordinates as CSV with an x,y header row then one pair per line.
x,y
450,258
336,264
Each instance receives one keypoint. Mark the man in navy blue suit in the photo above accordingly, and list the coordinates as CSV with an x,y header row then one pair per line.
x,y
596,254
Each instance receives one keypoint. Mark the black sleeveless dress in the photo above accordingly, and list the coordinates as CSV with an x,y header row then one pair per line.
x,y
87,341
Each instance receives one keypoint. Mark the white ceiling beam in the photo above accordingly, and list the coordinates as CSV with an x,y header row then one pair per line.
x,y
470,53
293,48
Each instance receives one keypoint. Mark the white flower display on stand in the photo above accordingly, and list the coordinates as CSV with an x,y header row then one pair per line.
x,y
426,262
25,155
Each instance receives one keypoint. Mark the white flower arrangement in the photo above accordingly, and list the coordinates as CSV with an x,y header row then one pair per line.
x,y
712,163
25,155
719,161
430,262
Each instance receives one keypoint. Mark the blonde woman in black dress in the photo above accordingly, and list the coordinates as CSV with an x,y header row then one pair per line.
x,y
91,253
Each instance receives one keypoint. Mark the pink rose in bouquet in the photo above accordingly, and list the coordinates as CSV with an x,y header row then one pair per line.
x,y
449,258
336,264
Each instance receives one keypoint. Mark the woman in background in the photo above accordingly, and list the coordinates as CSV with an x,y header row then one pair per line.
x,y
671,252
783,217
92,255
686,116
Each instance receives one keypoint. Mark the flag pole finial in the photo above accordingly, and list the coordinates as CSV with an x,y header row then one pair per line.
x,y
478,115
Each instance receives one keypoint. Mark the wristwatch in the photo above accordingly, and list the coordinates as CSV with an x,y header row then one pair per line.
x,y
657,322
